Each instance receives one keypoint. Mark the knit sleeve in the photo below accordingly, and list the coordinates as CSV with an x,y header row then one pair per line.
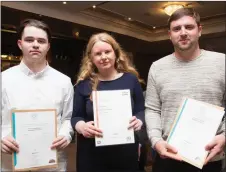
x,y
153,109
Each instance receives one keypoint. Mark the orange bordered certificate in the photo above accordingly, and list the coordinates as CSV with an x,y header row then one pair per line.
x,y
112,112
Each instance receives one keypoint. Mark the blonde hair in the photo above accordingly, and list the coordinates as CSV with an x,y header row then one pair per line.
x,y
122,62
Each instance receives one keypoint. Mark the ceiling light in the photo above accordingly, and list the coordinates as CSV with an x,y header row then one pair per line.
x,y
3,56
170,9
129,19
154,27
76,34
64,2
94,6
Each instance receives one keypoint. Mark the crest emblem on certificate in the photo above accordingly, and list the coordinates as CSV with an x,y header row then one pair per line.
x,y
34,115
52,161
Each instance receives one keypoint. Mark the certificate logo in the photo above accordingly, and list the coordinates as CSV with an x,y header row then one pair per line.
x,y
198,159
128,139
34,116
125,93
52,161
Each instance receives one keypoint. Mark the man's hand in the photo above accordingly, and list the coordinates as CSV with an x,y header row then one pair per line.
x,y
216,146
60,142
166,151
9,145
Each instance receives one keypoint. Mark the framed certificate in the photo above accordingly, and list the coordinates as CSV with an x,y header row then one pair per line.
x,y
195,126
112,112
34,131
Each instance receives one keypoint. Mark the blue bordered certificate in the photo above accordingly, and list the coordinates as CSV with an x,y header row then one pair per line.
x,y
195,126
34,131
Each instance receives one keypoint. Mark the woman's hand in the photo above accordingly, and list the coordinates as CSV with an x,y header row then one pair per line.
x,y
135,123
88,130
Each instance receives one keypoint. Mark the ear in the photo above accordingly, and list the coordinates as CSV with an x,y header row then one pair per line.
x,y
48,46
169,33
19,43
200,30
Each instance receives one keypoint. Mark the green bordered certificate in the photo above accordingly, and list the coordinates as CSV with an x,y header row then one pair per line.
x,y
195,126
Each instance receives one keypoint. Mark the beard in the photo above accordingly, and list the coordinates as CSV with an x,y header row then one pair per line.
x,y
184,47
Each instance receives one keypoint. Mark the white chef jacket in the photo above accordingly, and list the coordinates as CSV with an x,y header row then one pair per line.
x,y
48,89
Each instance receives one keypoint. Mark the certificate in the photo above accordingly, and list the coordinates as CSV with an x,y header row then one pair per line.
x,y
195,126
34,131
112,112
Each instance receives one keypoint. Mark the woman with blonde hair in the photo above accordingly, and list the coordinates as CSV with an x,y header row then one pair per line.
x,y
105,66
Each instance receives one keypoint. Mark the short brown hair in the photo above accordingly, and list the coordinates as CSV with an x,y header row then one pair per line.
x,y
184,12
36,23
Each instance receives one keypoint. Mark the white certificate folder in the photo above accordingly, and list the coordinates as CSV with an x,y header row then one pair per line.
x,y
195,126
112,112
34,131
